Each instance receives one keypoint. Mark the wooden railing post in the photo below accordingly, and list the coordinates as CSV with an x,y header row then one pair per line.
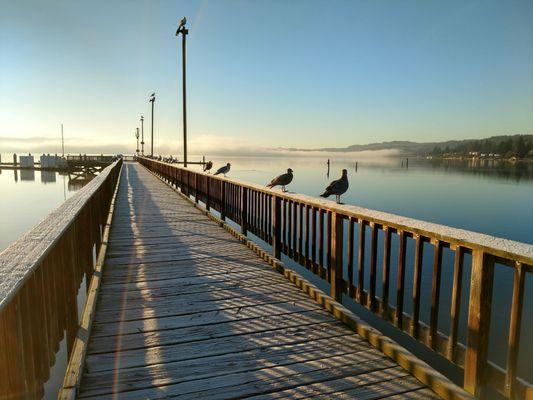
x,y
207,193
276,226
337,239
481,282
196,188
244,210
222,200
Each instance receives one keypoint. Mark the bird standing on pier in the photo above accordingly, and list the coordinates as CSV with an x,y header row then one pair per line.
x,y
223,170
338,187
282,180
207,166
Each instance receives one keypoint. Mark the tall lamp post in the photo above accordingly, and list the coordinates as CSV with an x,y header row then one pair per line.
x,y
137,137
142,135
152,100
184,31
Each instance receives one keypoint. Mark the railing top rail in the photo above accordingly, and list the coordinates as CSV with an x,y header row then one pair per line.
x,y
499,247
19,260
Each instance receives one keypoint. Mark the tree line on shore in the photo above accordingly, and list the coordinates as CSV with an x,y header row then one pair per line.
x,y
519,146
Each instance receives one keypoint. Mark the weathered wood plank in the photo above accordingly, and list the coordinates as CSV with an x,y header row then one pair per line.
x,y
202,332
161,374
250,383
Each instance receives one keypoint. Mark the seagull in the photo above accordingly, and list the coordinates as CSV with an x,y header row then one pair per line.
x,y
282,180
337,187
181,25
223,170
207,166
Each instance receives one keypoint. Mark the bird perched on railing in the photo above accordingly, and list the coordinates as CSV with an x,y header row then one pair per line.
x,y
282,180
338,187
207,166
223,170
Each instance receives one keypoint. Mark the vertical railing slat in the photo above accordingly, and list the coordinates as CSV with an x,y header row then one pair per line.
x,y
481,283
373,268
417,284
515,323
435,296
455,305
386,272
350,243
361,262
337,239
400,280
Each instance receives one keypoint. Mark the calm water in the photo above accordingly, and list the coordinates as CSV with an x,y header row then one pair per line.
x,y
27,196
496,199
492,199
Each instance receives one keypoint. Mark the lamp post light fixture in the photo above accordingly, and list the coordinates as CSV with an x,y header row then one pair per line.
x,y
152,100
142,135
137,137
184,31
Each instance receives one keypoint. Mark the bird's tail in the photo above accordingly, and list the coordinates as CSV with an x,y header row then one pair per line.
x,y
325,194
216,173
269,185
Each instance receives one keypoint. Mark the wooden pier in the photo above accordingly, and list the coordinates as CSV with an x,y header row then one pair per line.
x,y
181,303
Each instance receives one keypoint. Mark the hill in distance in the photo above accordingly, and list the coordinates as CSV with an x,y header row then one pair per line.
x,y
501,144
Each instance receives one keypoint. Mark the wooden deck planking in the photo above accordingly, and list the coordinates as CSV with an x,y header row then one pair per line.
x,y
187,311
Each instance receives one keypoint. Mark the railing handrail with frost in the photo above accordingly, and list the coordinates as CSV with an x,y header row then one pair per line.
x,y
313,232
40,275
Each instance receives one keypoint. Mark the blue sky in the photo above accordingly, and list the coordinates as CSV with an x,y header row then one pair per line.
x,y
266,73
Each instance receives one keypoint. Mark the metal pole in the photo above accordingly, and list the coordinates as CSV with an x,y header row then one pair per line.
x,y
184,34
137,136
62,141
152,142
142,135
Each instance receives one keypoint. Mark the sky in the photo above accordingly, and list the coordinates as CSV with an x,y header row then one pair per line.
x,y
262,74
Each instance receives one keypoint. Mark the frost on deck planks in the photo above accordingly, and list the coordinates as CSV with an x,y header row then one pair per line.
x,y
185,310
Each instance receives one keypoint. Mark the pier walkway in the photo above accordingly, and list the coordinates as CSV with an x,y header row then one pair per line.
x,y
186,310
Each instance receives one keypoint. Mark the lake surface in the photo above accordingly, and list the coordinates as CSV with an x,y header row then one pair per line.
x,y
28,196
495,199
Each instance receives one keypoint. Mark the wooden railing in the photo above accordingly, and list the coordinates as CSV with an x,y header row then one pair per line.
x,y
91,157
343,244
40,276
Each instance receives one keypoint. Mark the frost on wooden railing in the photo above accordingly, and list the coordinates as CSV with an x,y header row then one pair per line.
x,y
40,275
366,254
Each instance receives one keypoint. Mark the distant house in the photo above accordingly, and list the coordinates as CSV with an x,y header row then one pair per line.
x,y
26,161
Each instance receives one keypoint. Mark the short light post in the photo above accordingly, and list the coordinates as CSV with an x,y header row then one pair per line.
x,y
152,100
142,136
137,137
184,31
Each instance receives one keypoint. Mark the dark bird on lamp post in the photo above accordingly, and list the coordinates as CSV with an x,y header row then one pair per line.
x,y
282,180
181,25
207,166
223,170
338,187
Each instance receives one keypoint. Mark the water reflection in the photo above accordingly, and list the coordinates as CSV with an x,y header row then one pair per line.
x,y
488,197
48,176
29,195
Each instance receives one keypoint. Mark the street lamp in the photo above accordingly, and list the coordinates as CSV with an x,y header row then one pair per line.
x,y
152,100
137,137
184,31
142,135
